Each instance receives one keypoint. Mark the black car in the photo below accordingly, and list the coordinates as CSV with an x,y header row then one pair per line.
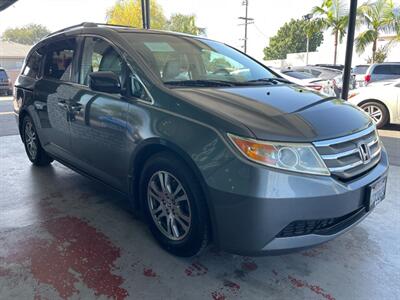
x,y
207,143
5,83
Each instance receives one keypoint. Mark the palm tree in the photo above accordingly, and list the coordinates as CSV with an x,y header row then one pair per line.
x,y
377,17
334,15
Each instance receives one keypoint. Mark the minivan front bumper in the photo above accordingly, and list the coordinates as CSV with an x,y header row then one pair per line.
x,y
293,203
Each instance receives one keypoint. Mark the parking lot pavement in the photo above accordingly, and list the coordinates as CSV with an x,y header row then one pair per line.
x,y
64,236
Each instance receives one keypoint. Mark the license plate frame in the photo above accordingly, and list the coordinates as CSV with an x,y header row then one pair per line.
x,y
376,193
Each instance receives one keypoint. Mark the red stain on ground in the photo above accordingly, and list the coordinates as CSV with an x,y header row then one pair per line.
x,y
77,252
232,286
313,252
249,266
149,273
314,288
196,269
218,296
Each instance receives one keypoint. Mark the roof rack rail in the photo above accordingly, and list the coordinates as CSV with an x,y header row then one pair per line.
x,y
88,24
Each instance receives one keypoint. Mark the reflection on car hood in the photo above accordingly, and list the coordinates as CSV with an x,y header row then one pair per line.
x,y
280,112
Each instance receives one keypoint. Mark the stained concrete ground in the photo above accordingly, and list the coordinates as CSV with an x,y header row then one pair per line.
x,y
63,236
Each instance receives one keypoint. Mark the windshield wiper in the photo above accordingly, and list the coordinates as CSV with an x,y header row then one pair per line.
x,y
201,82
274,80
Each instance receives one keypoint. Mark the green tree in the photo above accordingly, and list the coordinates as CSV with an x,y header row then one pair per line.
x,y
376,17
333,15
380,55
129,12
185,24
292,38
28,35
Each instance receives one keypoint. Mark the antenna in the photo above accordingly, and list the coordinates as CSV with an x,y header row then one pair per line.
x,y
247,21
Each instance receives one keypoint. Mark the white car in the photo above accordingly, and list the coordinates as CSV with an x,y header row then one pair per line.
x,y
381,100
304,79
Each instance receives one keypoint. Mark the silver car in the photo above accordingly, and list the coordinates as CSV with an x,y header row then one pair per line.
x,y
383,71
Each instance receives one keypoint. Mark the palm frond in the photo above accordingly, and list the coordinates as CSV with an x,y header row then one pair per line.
x,y
364,39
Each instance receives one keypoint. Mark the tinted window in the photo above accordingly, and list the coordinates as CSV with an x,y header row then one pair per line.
x,y
387,69
33,65
3,75
99,55
360,69
59,58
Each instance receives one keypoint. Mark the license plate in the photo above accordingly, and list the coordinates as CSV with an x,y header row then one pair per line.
x,y
377,193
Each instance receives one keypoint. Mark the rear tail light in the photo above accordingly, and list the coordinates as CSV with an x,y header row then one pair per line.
x,y
315,87
367,78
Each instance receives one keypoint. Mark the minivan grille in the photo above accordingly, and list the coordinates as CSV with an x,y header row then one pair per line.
x,y
349,156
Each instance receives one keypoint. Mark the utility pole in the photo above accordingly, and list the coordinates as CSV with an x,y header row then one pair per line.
x,y
247,21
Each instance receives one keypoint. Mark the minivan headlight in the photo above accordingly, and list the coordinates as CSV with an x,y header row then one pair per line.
x,y
297,157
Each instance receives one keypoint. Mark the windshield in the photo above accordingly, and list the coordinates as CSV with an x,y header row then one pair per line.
x,y
183,59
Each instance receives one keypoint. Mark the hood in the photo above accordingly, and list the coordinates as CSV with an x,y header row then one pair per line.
x,y
280,112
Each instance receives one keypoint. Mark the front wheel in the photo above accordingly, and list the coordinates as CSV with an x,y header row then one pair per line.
x,y
34,150
174,205
377,112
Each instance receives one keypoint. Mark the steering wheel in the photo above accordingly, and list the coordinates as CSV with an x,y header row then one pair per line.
x,y
221,71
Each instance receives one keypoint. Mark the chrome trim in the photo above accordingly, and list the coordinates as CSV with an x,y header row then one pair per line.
x,y
339,155
354,136
346,167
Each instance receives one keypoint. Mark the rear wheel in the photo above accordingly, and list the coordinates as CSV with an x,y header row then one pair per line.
x,y
174,205
377,111
33,149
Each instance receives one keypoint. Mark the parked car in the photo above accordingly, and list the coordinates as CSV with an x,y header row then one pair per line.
x,y
251,162
5,83
383,71
334,86
331,66
302,78
319,72
359,72
381,100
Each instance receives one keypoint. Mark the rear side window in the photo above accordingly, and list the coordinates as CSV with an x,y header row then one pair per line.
x,y
59,58
32,67
3,75
99,55
387,70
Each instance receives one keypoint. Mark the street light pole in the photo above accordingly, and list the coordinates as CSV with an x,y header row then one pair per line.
x,y
307,18
349,49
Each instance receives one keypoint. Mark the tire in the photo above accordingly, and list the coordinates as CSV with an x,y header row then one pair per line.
x,y
183,226
33,148
377,111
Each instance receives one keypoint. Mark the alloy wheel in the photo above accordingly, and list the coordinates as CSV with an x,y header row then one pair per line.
x,y
30,139
374,112
169,205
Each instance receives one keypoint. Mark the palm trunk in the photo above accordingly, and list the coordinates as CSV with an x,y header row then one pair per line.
x,y
336,43
374,50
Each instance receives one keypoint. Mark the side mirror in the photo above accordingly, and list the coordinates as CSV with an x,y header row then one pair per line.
x,y
104,81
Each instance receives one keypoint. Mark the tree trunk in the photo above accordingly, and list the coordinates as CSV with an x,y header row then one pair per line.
x,y
336,43
374,50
